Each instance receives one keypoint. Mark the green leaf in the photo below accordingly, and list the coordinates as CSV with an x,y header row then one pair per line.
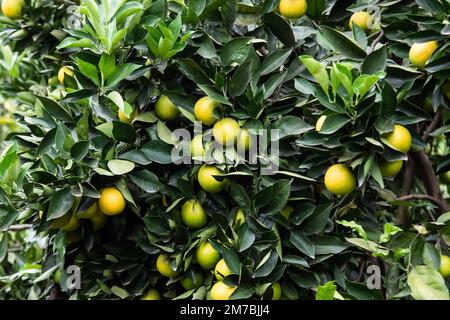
x,y
267,264
333,123
120,73
55,109
274,61
60,204
364,83
291,126
355,227
158,151
147,181
88,70
318,71
427,284
343,44
326,291
302,243
235,51
375,61
280,28
240,79
120,167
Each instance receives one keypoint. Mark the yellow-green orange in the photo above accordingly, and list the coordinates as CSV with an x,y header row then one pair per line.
x,y
111,201
221,291
240,217
60,222
73,224
444,268
164,267
276,291
193,215
89,212
62,72
98,221
362,19
204,110
286,211
193,281
196,146
390,169
123,117
399,138
12,8
207,257
340,180
243,140
292,9
207,181
226,131
221,270
445,177
421,52
151,294
165,109
320,122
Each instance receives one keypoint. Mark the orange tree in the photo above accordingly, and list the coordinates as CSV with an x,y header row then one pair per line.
x,y
350,97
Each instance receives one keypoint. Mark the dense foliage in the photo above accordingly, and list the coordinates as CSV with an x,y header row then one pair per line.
x,y
98,130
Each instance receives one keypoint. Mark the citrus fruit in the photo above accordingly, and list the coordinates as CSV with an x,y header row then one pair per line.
x,y
399,138
165,109
243,140
445,177
292,9
320,122
390,169
73,224
421,52
196,146
57,276
89,212
286,211
240,217
220,291
123,117
151,294
164,267
221,270
276,289
193,214
339,180
193,281
207,257
111,201
226,131
60,222
444,268
446,89
204,110
98,220
362,19
62,72
207,181
12,8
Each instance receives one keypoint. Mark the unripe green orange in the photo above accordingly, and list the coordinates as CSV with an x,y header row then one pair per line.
x,y
166,110
89,212
207,257
12,8
151,294
340,180
244,140
221,270
399,138
62,72
193,214
240,217
128,120
195,282
98,221
73,224
276,288
444,268
204,110
164,267
196,146
390,169
207,181
445,177
221,291
226,131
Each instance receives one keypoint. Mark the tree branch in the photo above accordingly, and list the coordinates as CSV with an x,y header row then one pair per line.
x,y
433,125
421,197
408,182
426,171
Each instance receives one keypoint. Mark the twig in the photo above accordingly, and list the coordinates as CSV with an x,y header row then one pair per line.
x,y
421,197
408,181
433,125
378,39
